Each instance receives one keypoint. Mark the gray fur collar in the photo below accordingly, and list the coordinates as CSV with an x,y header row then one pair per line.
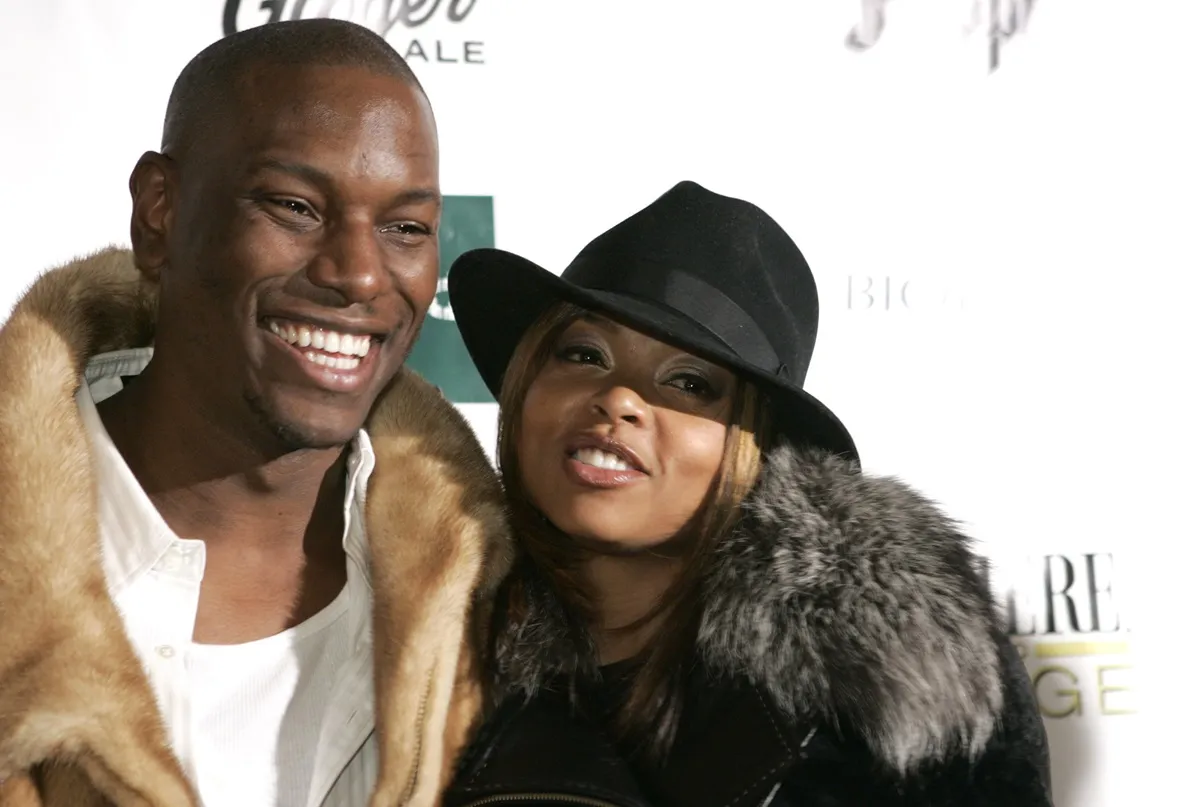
x,y
842,597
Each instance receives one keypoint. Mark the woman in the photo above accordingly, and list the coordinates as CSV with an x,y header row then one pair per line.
x,y
715,607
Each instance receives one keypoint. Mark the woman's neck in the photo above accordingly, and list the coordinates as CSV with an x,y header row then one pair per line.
x,y
625,588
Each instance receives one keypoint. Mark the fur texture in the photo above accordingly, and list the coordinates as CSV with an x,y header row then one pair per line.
x,y
842,597
78,721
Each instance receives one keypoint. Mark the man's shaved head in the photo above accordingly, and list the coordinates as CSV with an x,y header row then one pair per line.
x,y
205,92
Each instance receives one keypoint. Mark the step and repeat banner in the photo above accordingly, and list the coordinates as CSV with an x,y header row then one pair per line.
x,y
998,198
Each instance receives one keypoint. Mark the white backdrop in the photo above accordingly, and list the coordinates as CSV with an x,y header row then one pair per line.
x,y
1006,256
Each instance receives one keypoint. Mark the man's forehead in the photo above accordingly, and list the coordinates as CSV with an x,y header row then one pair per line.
x,y
321,90
274,109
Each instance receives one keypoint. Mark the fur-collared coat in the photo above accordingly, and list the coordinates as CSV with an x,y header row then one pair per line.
x,y
848,654
78,720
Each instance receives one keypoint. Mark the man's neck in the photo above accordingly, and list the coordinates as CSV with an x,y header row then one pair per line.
x,y
216,486
272,521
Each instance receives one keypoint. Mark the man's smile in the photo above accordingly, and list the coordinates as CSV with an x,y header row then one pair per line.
x,y
337,361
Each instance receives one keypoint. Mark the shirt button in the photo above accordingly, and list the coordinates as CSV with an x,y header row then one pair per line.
x,y
165,650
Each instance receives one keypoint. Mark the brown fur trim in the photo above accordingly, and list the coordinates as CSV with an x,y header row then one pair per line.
x,y
20,791
71,686
75,705
437,520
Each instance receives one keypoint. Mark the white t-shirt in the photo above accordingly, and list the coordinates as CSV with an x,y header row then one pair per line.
x,y
258,707
284,721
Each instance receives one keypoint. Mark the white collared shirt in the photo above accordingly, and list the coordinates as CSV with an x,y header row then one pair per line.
x,y
286,720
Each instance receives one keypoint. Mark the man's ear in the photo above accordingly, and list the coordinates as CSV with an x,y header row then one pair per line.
x,y
154,188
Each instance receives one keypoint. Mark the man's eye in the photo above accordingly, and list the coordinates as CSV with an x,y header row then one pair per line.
x,y
292,206
407,228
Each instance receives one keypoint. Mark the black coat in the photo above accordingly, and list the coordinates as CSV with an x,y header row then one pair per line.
x,y
848,654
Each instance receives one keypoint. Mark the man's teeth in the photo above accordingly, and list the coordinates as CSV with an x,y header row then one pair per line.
x,y
347,349
601,459
335,362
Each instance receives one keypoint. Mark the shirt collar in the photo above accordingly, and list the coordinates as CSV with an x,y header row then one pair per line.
x,y
133,535
359,467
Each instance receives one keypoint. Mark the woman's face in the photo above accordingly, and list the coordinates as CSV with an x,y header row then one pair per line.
x,y
622,436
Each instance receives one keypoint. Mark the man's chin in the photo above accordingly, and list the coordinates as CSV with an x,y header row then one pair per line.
x,y
313,429
301,438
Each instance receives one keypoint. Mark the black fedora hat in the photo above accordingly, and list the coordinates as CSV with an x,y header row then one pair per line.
x,y
713,275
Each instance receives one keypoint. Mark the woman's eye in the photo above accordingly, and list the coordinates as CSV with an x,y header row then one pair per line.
x,y
582,354
693,385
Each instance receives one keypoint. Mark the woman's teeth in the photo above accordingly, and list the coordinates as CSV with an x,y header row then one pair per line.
x,y
340,351
601,459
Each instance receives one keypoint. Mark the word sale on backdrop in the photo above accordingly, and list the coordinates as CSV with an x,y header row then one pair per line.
x,y
390,19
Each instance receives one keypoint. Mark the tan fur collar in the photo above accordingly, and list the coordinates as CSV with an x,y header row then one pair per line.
x,y
73,698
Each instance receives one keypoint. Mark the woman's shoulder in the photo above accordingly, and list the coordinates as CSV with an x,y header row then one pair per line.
x,y
853,599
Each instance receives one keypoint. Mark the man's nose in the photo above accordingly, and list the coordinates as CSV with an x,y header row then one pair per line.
x,y
351,263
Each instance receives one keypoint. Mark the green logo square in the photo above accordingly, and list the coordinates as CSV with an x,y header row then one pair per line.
x,y
439,354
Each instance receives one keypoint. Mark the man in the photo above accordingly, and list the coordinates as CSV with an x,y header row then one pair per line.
x,y
216,587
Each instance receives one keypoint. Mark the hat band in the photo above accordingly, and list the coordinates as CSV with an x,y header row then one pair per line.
x,y
705,305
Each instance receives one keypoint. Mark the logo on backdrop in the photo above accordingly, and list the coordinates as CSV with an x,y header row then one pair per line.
x,y
439,354
1064,614
400,22
1005,19
896,293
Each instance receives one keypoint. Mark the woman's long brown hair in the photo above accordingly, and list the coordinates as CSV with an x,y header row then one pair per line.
x,y
648,719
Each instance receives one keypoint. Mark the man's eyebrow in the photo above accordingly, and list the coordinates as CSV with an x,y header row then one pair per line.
x,y
415,196
314,176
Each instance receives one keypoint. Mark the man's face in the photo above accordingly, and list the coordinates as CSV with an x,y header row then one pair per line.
x,y
302,251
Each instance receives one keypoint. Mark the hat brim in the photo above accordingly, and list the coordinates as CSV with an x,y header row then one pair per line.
x,y
496,296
